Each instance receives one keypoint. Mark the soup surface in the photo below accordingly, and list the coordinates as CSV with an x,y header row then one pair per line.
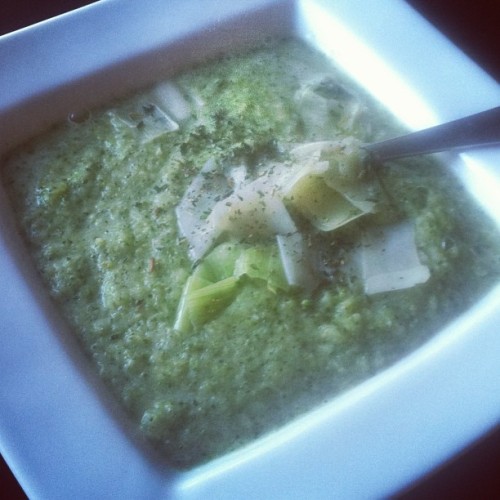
x,y
214,320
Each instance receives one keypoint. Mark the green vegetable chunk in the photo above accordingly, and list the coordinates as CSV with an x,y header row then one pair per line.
x,y
262,262
209,290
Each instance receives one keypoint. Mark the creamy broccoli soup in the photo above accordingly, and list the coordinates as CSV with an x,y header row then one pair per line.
x,y
227,255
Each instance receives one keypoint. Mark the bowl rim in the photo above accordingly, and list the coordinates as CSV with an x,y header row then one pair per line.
x,y
463,345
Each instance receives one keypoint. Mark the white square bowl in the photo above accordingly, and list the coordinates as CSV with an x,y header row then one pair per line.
x,y
60,432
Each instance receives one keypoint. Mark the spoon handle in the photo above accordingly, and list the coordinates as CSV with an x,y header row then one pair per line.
x,y
481,129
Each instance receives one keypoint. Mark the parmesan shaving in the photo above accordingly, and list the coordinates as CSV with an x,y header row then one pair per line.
x,y
254,210
296,261
389,259
198,201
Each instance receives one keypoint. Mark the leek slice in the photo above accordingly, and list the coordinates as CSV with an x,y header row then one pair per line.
x,y
331,190
220,262
214,282
183,317
199,305
389,259
205,303
210,289
324,207
310,151
262,262
347,173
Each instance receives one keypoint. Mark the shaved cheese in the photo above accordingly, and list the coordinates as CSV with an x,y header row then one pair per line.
x,y
237,176
296,261
169,97
389,259
198,201
323,183
252,211
319,108
158,112
146,119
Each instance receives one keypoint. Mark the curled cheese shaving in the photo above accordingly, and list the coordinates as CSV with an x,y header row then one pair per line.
x,y
389,259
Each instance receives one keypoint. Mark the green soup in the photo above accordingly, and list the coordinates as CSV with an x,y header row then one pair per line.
x,y
96,201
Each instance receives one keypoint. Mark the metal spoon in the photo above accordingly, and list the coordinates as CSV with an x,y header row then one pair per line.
x,y
481,129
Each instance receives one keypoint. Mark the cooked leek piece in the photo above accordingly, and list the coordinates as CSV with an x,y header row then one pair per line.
x,y
347,173
345,159
183,321
346,162
205,303
220,262
389,259
199,305
331,189
213,284
262,262
209,289
310,151
323,206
